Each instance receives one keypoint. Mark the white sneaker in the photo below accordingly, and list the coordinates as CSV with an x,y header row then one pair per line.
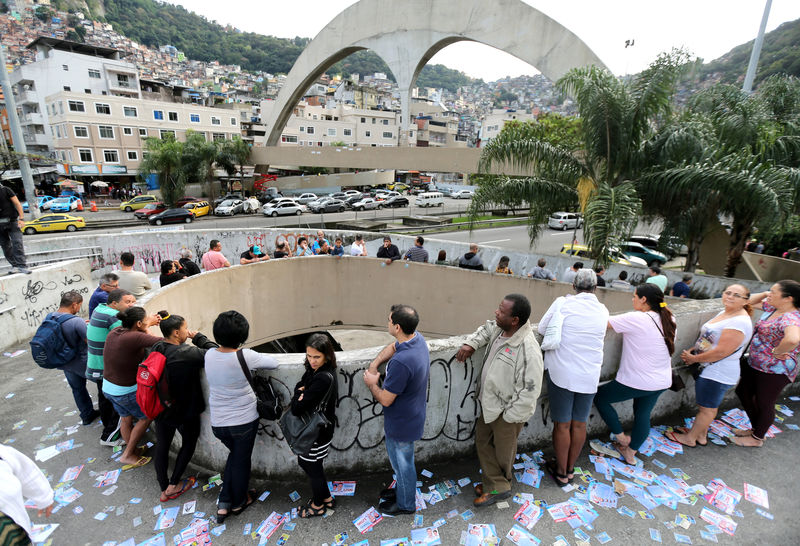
x,y
605,449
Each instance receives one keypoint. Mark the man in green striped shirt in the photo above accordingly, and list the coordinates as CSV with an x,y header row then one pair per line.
x,y
103,320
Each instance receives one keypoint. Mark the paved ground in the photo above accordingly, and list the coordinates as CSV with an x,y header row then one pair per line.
x,y
37,411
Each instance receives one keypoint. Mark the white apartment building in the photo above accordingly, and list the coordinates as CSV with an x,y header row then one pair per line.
x,y
67,66
104,135
493,123
436,126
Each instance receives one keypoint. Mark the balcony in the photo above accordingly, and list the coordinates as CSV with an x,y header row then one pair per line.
x,y
38,139
32,118
28,97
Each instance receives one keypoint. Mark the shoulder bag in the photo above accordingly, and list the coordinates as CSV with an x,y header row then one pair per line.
x,y
302,431
268,402
552,334
677,381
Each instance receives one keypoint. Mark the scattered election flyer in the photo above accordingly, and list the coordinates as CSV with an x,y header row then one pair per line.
x,y
521,537
342,489
367,520
428,536
756,495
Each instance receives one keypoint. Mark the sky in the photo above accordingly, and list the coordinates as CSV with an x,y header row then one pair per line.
x,y
706,28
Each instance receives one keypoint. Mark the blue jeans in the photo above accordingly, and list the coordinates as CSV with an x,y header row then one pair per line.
x,y
77,383
240,440
401,455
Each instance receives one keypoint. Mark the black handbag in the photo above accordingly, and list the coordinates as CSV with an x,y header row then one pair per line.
x,y
268,402
301,431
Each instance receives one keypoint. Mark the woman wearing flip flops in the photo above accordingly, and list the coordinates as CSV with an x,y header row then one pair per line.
x,y
645,368
773,361
718,349
182,373
320,376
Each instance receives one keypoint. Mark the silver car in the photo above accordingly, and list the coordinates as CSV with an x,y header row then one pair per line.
x,y
565,220
282,209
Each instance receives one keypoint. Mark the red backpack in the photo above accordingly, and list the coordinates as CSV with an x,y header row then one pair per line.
x,y
152,390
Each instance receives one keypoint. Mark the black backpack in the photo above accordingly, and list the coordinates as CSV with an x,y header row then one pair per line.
x,y
49,347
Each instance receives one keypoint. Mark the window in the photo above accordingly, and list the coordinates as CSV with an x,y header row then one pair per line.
x,y
127,131
158,114
289,138
106,131
67,88
94,73
386,122
310,143
374,121
122,80
215,121
319,143
60,108
216,137
133,155
76,106
130,111
309,130
363,120
347,132
302,143
302,129
173,116
87,91
81,131
387,134
65,67
368,134
101,108
111,156
233,121
85,155
331,131
142,132
167,133
194,118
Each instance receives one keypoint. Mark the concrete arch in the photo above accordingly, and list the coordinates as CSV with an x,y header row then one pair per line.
x,y
406,35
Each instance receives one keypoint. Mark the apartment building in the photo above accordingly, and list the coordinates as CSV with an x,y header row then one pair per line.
x,y
104,135
436,125
62,65
493,123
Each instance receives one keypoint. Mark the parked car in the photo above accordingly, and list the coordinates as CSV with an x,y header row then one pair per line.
x,y
652,257
306,198
231,196
55,222
137,202
149,210
64,204
396,201
42,201
582,251
229,207
382,195
462,194
337,195
186,199
282,209
350,201
198,208
671,247
353,193
429,199
172,216
367,203
565,220
327,205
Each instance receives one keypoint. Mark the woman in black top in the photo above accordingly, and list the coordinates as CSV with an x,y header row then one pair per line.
x,y
320,367
169,273
182,373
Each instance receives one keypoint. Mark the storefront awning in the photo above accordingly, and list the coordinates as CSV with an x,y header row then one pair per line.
x,y
11,175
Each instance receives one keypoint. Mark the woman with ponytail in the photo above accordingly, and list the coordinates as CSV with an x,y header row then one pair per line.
x,y
645,370
718,349
182,374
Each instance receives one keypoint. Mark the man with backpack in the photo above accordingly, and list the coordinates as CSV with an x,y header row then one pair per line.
x,y
60,342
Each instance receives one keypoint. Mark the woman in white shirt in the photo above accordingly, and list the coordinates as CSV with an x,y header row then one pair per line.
x,y
645,367
232,404
21,479
358,248
573,370
719,347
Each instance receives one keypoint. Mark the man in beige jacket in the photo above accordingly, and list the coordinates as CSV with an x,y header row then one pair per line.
x,y
508,387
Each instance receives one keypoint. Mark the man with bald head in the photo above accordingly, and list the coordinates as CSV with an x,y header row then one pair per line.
x,y
471,260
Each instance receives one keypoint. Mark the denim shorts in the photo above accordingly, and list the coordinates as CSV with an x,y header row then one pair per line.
x,y
566,406
125,405
709,393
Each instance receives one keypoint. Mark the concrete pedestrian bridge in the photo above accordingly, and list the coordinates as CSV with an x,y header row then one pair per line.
x,y
285,297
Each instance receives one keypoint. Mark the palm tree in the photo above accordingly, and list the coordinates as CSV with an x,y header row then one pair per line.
x,y
617,118
199,156
232,153
164,158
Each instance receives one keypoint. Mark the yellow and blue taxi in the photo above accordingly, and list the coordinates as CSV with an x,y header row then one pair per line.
x,y
198,208
54,222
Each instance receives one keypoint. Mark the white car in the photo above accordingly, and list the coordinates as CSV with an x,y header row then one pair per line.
x,y
351,193
229,207
282,209
565,220
462,194
368,203
306,198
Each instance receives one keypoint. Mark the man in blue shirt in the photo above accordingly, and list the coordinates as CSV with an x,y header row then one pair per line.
x,y
108,282
404,399
682,289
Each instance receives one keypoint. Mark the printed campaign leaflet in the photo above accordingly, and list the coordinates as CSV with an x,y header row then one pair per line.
x,y
602,494
269,525
723,522
756,495
428,536
166,518
519,536
367,520
528,514
480,534
722,497
342,488
530,476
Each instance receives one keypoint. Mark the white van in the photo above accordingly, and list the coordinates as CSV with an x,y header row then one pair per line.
x,y
430,199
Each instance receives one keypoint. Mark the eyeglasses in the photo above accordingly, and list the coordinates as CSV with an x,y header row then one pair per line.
x,y
735,295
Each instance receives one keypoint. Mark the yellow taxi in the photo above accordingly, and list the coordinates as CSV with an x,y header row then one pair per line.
x,y
137,203
582,251
54,222
198,208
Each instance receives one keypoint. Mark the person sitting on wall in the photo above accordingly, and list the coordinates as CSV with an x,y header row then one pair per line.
x,y
303,249
187,265
252,255
170,273
682,289
657,278
502,266
417,253
621,282
358,248
338,249
282,250
541,272
214,258
471,260
388,251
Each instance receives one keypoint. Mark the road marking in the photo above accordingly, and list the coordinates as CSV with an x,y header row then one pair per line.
x,y
497,241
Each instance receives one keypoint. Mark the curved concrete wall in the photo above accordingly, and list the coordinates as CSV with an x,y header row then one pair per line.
x,y
288,296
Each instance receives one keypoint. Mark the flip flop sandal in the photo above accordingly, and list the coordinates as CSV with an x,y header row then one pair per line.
x,y
553,471
138,464
188,483
670,435
331,503
251,498
308,511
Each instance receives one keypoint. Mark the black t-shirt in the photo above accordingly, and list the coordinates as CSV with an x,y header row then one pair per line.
x,y
280,254
247,255
7,208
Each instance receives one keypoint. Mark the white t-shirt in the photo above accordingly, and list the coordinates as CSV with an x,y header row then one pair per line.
x,y
356,250
576,364
645,363
724,371
231,400
21,479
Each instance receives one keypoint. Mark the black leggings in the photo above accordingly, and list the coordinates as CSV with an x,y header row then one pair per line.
x,y
758,392
190,432
319,484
